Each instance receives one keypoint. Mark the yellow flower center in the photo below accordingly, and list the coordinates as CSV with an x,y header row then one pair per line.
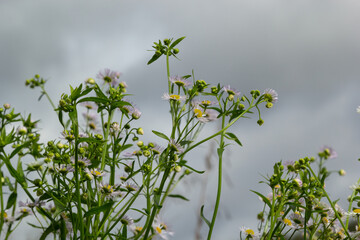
x,y
198,112
250,232
158,229
5,215
175,97
357,210
138,229
287,222
206,102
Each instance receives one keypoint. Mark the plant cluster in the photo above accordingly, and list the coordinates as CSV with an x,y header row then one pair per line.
x,y
99,180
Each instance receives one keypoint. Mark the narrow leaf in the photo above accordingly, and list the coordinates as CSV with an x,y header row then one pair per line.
x,y
233,137
12,200
99,209
159,134
192,169
263,198
203,217
178,196
176,42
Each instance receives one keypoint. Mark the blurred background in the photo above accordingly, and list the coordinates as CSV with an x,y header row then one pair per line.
x,y
308,51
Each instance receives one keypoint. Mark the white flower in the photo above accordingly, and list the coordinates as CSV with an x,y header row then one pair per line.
x,y
248,232
173,97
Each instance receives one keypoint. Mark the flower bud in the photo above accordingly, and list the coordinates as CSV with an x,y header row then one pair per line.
x,y
7,106
175,51
342,172
231,97
260,122
166,42
214,90
135,138
177,168
269,105
90,81
140,131
37,76
140,143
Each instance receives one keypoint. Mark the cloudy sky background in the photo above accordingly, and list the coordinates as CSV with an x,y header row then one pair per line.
x,y
309,51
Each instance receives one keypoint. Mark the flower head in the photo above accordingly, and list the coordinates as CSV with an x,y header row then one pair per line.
x,y
161,229
181,82
173,97
248,232
108,191
270,95
109,76
206,115
231,91
329,152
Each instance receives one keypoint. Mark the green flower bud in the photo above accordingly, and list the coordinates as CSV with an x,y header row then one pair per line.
x,y
342,172
175,51
241,106
90,81
177,168
140,131
37,182
98,136
37,76
135,138
127,126
214,90
60,145
166,42
269,105
146,153
231,97
260,122
140,143
39,192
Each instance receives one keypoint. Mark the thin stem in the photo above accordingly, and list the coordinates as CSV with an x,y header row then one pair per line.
x,y
217,203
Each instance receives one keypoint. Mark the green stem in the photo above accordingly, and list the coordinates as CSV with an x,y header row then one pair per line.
x,y
217,203
48,97
331,203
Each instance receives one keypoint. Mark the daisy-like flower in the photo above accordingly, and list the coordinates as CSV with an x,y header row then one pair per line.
x,y
126,220
161,229
82,162
173,97
21,130
109,76
28,204
95,172
231,91
65,168
181,82
248,232
204,103
131,110
157,149
7,217
176,146
270,95
297,219
108,191
130,186
206,115
25,211
329,151
89,105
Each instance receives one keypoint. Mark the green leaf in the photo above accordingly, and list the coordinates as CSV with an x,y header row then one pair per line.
x,y
176,42
192,169
100,209
13,172
26,144
94,99
178,196
154,58
12,200
75,93
53,227
159,134
203,217
263,198
233,137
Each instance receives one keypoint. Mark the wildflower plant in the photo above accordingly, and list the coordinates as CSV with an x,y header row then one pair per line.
x,y
72,184
298,205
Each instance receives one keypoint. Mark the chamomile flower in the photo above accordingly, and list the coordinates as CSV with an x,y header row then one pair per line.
x,y
330,152
176,146
231,91
270,95
173,97
161,229
248,232
108,191
7,218
109,76
206,115
179,81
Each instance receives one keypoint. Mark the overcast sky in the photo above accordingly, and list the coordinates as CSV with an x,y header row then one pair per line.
x,y
308,51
